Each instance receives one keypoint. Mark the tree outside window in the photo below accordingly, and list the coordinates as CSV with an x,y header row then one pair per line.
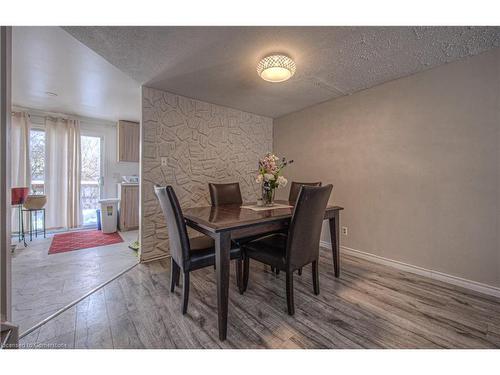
x,y
90,177
37,160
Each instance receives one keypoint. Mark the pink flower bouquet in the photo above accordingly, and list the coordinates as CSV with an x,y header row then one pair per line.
x,y
270,176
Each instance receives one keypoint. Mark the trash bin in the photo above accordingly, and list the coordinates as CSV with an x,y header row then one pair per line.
x,y
109,214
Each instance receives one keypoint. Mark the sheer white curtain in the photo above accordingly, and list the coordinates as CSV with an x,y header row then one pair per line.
x,y
62,172
20,166
74,164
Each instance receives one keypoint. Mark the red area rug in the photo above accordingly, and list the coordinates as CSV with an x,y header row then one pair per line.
x,y
84,239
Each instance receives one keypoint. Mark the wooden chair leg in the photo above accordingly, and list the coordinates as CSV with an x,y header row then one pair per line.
x,y
185,292
289,293
272,269
174,274
300,271
246,272
277,271
239,275
178,276
315,276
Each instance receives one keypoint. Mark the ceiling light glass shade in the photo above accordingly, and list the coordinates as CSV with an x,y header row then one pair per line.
x,y
276,68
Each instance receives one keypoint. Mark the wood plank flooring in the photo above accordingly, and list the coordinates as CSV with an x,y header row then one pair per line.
x,y
370,306
42,284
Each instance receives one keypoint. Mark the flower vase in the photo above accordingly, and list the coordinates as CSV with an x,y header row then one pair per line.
x,y
267,195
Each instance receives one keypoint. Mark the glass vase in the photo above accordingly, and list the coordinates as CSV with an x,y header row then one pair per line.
x,y
267,195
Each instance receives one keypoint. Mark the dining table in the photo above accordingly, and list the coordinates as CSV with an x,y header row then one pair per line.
x,y
229,222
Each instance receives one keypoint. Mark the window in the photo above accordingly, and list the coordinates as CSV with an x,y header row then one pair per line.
x,y
90,178
37,160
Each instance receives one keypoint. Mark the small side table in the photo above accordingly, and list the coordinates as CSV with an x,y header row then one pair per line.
x,y
20,223
35,211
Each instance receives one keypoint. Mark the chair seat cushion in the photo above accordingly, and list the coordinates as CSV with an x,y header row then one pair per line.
x,y
269,250
203,252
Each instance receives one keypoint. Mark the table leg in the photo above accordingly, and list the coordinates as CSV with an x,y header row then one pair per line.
x,y
334,234
19,219
22,228
222,247
31,225
44,227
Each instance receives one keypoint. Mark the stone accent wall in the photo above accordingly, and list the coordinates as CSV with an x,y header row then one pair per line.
x,y
202,143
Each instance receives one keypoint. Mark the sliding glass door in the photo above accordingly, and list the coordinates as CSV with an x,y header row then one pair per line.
x,y
37,169
37,160
91,178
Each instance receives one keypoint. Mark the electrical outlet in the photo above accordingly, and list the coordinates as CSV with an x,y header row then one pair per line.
x,y
344,231
164,161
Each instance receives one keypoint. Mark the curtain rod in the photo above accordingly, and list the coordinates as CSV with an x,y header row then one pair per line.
x,y
42,113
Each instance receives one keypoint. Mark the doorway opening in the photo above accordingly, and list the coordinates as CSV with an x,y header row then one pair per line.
x,y
65,148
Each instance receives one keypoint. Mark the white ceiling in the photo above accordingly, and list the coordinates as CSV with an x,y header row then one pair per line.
x,y
49,59
217,64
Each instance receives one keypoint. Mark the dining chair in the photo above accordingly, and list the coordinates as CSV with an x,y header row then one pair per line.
x,y
292,198
295,188
229,193
225,193
187,254
297,249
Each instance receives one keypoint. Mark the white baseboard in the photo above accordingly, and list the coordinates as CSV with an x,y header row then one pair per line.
x,y
436,275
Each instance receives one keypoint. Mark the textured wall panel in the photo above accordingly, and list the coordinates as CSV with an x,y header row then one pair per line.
x,y
202,143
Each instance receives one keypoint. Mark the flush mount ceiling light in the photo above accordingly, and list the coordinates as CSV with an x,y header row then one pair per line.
x,y
50,93
276,68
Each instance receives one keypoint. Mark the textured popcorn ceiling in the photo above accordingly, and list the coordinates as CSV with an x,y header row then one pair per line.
x,y
217,64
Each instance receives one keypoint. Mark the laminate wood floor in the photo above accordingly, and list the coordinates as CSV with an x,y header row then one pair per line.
x,y
42,284
370,306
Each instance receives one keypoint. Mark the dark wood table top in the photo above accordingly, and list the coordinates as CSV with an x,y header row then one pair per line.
x,y
232,216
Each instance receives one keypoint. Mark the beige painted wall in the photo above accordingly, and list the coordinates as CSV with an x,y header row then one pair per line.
x,y
202,143
416,164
